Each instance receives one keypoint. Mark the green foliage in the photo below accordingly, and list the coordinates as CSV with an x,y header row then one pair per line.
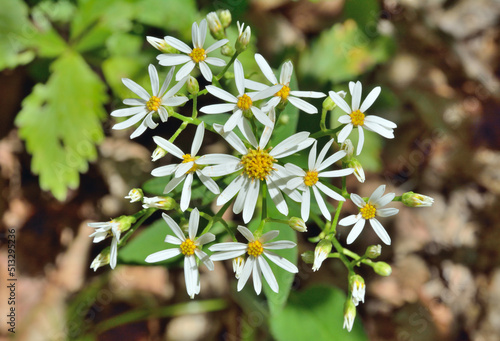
x,y
343,53
60,122
364,12
314,314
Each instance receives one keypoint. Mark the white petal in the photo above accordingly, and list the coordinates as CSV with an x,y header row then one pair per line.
x,y
305,207
239,77
180,83
336,173
356,96
202,33
350,220
205,71
312,156
372,96
345,119
332,159
222,94
223,169
205,239
381,121
129,122
173,184
388,133
183,168
322,154
134,101
218,108
257,281
384,200
307,94
245,273
204,259
253,85
277,197
232,139
191,275
255,96
186,193
140,129
230,246
361,140
387,212
356,230
239,203
215,61
246,233
302,105
172,240
268,274
198,139
164,170
286,73
228,255
136,88
266,69
168,146
230,190
377,194
235,118
295,170
330,192
344,133
289,145
351,87
261,117
217,159
215,46
267,133
357,200
174,227
168,59
279,245
281,262
341,103
251,200
208,182
321,203
177,44
175,101
155,82
185,70
269,236
294,183
194,220
128,111
380,231
114,253
167,81
162,255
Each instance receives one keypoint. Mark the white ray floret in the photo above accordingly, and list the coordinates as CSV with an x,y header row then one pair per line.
x,y
308,181
256,164
144,107
242,104
189,247
284,95
356,116
369,211
184,171
104,230
193,56
255,264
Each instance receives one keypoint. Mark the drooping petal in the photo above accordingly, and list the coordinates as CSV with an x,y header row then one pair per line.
x,y
208,182
186,192
205,259
305,206
381,121
251,200
239,203
330,192
361,140
257,280
205,71
129,122
261,117
281,262
388,133
268,274
113,255
356,230
168,59
164,170
321,203
235,118
246,130
185,70
128,111
277,197
230,190
245,273
380,231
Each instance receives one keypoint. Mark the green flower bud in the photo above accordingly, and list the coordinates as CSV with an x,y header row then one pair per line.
x,y
382,269
297,224
158,153
227,50
225,18
244,35
411,199
329,104
308,257
125,222
215,26
192,85
164,203
373,251
135,195
161,45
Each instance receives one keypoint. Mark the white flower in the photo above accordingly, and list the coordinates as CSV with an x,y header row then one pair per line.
x,y
184,170
238,264
189,247
147,105
104,230
285,94
321,253
158,153
368,211
195,56
243,104
356,115
244,35
256,264
358,288
165,203
256,164
349,315
309,180
101,259
135,195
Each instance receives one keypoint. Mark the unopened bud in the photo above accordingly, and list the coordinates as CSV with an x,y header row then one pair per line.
x,y
297,224
124,222
308,257
244,35
192,85
329,104
382,269
349,314
321,253
227,51
225,18
359,173
348,148
373,251
411,199
215,26
101,260
164,203
135,195
357,287
161,45
158,153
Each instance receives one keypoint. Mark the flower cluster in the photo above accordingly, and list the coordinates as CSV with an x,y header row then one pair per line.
x,y
263,175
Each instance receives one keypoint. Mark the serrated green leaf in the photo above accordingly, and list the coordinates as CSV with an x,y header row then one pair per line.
x,y
314,314
60,122
15,28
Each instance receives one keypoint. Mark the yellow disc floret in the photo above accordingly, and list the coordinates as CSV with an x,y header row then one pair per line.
x,y
244,102
357,118
153,104
198,55
188,158
368,212
258,164
255,248
311,178
283,93
187,247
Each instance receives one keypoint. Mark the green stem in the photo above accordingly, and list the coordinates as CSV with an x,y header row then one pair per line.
x,y
195,105
144,214
335,219
233,58
191,120
263,217
322,123
327,132
398,198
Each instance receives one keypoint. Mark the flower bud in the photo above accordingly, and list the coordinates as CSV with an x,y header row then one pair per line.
x,y
321,253
227,50
349,314
164,203
161,45
297,224
348,148
192,85
101,260
373,251
357,287
135,195
158,153
215,26
243,37
329,104
124,222
225,18
238,264
308,257
411,199
359,173
382,269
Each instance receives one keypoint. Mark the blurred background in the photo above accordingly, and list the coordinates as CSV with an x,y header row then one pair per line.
x,y
62,166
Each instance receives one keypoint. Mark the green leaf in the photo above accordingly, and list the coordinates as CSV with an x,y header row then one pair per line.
x,y
15,29
343,53
149,241
364,12
60,122
315,314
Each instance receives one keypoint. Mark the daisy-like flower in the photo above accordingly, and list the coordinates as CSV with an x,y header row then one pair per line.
x,y
241,105
164,203
368,211
356,115
189,247
284,95
184,171
146,105
255,263
308,181
104,230
193,56
256,164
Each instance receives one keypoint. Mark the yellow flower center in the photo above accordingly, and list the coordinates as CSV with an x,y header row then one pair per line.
x,y
258,164
153,104
357,118
244,102
368,212
188,158
283,93
311,178
198,55
255,248
187,247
